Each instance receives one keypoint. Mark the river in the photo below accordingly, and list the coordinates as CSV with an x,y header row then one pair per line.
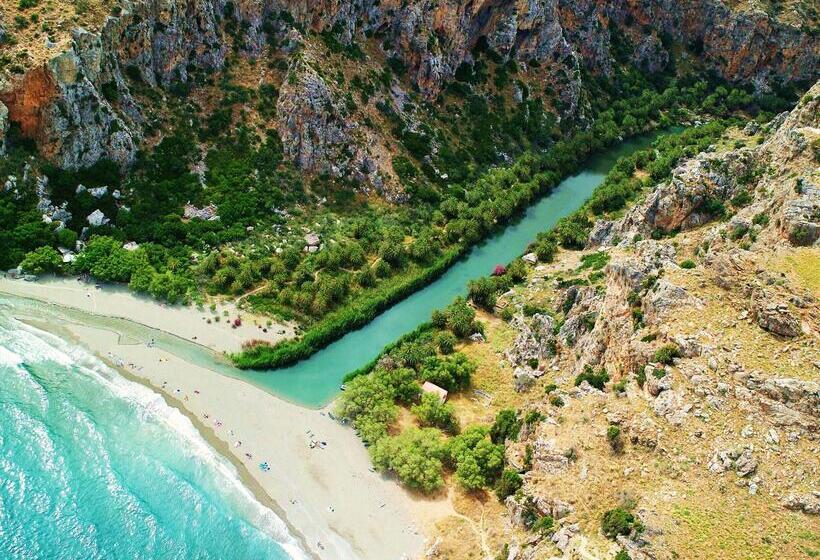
x,y
315,381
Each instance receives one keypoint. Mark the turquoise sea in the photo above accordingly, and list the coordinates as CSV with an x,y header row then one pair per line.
x,y
95,466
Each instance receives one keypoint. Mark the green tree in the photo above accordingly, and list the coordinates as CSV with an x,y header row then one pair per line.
x,y
508,484
368,402
403,383
446,342
506,426
415,456
619,521
482,292
478,461
450,372
432,412
105,259
460,318
42,260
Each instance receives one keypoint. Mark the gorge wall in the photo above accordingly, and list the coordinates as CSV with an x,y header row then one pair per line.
x,y
79,107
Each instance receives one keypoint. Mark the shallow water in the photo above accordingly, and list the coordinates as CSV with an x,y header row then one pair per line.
x,y
95,466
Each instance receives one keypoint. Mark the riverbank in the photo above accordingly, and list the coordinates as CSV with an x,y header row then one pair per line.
x,y
215,329
327,494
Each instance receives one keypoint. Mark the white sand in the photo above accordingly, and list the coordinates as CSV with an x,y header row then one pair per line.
x,y
327,495
184,321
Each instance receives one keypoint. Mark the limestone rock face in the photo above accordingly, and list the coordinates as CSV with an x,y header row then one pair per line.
x,y
316,133
310,122
61,107
4,127
161,42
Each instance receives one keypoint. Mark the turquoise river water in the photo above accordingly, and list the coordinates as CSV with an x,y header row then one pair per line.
x,y
89,459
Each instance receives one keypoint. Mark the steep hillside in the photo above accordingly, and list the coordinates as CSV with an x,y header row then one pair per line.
x,y
657,391
79,103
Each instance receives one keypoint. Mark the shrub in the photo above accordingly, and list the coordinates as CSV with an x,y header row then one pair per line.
x,y
620,386
595,261
622,555
508,484
432,412
619,521
556,401
543,525
446,342
506,426
67,238
613,436
641,376
42,260
666,354
761,219
415,456
596,379
688,264
741,199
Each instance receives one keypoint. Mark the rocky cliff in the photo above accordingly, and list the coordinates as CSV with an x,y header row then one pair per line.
x,y
705,318
79,107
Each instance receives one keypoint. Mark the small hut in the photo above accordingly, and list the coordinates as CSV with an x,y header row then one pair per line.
x,y
435,389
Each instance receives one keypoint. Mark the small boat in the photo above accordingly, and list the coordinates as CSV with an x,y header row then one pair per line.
x,y
342,387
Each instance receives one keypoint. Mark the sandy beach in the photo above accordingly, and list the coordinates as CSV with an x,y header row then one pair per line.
x,y
327,493
222,335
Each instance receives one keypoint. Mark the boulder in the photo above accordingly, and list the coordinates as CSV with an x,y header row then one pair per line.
x,y
774,316
97,218
742,461
806,503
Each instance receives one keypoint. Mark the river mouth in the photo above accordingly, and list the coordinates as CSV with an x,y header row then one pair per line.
x,y
314,382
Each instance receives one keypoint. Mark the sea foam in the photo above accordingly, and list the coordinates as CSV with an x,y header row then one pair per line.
x,y
23,344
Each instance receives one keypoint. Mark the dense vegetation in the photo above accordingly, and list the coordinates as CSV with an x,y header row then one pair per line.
x,y
372,254
418,456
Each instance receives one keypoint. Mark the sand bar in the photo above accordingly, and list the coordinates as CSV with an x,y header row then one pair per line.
x,y
187,322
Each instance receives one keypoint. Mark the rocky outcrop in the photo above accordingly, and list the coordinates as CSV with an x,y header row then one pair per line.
x,y
534,341
158,43
60,105
800,218
742,461
317,134
688,200
806,503
774,316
